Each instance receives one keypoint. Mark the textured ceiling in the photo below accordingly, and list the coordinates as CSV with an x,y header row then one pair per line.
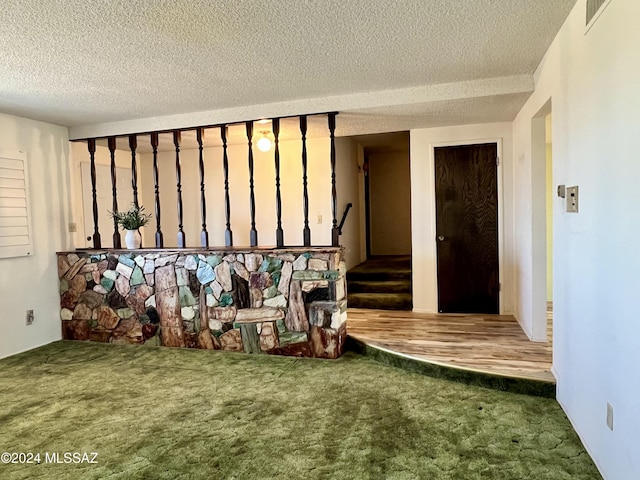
x,y
100,65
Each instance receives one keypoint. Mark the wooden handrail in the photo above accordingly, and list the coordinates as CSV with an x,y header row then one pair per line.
x,y
344,217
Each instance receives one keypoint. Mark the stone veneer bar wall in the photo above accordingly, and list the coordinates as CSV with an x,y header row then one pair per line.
x,y
276,301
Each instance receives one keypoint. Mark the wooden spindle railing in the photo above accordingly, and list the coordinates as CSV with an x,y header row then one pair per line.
x,y
253,233
228,235
91,145
335,231
111,143
275,124
204,235
156,178
306,231
181,235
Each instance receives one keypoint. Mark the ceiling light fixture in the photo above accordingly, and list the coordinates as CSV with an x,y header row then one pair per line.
x,y
264,142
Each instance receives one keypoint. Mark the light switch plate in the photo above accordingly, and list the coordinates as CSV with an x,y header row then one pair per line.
x,y
572,199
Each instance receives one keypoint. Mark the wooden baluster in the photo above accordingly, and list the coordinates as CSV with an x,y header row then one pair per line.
x,y
253,233
204,235
91,144
335,232
306,232
279,232
228,235
176,142
133,144
111,142
154,145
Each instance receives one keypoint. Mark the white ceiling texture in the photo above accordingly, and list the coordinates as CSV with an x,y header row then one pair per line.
x,y
106,67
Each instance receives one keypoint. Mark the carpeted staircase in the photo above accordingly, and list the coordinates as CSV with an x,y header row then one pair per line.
x,y
381,282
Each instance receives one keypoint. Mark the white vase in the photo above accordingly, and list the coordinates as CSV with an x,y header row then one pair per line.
x,y
132,239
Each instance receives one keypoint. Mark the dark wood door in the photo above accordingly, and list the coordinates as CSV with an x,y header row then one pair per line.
x,y
467,228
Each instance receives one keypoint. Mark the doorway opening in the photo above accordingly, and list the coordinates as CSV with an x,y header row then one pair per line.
x,y
383,281
549,195
387,186
543,194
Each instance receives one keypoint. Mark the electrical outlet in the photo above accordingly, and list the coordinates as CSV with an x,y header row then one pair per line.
x,y
73,227
319,219
609,416
29,317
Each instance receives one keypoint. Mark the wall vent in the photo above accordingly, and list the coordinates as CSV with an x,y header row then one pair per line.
x,y
594,9
15,218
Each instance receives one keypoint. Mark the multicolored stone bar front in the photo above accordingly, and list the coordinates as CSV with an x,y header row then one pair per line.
x,y
289,301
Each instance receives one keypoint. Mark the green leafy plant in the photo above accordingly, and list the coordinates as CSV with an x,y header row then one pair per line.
x,y
132,219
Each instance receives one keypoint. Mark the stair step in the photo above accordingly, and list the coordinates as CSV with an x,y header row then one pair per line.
x,y
386,286
382,301
378,275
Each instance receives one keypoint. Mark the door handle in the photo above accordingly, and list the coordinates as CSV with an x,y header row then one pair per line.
x,y
440,238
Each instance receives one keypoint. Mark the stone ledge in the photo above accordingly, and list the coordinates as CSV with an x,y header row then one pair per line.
x,y
258,315
224,299
208,250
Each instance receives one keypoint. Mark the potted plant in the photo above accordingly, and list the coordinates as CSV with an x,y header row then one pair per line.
x,y
131,221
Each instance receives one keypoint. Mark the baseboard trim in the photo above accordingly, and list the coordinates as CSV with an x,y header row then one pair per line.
x,y
423,310
581,437
29,349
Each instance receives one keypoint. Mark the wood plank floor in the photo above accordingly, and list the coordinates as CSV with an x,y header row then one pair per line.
x,y
489,343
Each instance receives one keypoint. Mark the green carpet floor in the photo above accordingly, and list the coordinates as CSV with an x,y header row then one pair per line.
x,y
159,413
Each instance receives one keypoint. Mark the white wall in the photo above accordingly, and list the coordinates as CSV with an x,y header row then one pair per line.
x,y
390,203
592,81
32,282
423,141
